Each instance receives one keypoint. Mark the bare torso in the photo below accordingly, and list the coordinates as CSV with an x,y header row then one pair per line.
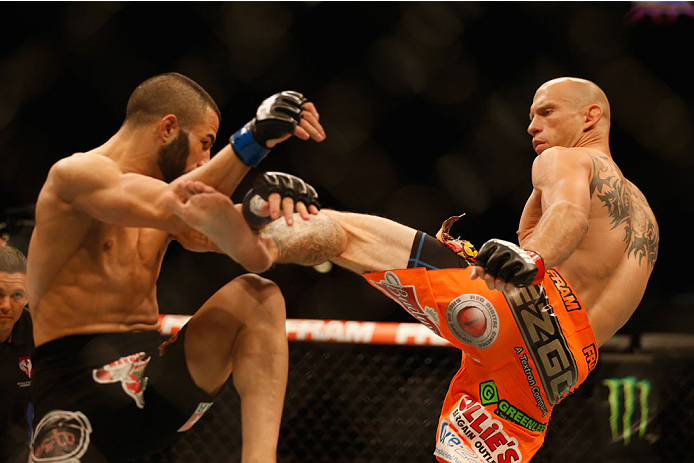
x,y
86,276
610,267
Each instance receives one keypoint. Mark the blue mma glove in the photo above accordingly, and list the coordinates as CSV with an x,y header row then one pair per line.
x,y
276,116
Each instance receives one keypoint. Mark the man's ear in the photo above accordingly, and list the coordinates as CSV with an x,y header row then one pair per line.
x,y
592,115
168,128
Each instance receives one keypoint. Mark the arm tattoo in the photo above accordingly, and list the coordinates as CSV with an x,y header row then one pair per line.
x,y
627,206
309,242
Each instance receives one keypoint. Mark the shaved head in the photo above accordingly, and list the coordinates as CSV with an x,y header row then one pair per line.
x,y
569,112
580,92
170,93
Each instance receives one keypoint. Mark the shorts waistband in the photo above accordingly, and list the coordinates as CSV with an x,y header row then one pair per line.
x,y
98,347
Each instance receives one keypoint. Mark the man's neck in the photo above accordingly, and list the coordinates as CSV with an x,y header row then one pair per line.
x,y
132,150
596,140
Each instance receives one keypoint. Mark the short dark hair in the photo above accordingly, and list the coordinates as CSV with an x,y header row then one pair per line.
x,y
12,260
169,93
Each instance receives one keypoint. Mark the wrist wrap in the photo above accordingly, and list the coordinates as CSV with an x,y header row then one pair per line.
x,y
245,146
537,258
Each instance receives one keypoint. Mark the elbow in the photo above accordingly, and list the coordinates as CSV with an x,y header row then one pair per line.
x,y
576,227
161,211
576,231
165,220
580,222
574,216
172,224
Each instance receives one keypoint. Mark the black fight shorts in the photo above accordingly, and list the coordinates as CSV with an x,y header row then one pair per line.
x,y
111,397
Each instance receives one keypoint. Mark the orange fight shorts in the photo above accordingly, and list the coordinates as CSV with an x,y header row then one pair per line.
x,y
523,351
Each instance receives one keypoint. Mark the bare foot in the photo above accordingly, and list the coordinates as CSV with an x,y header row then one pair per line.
x,y
200,206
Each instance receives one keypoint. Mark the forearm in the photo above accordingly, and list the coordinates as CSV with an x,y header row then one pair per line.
x,y
277,118
558,233
224,171
232,236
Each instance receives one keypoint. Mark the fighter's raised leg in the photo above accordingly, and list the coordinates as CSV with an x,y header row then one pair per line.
x,y
240,331
359,242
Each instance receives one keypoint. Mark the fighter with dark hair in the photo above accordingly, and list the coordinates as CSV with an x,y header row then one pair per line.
x,y
102,378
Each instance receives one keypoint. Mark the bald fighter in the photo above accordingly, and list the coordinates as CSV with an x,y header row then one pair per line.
x,y
105,388
528,317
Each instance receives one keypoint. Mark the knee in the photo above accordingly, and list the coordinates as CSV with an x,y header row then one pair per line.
x,y
254,299
257,285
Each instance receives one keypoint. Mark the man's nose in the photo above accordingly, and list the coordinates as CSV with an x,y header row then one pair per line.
x,y
533,128
5,304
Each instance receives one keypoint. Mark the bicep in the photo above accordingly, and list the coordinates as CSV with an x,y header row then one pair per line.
x,y
132,200
564,185
99,189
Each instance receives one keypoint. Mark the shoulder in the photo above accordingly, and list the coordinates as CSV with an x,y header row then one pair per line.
x,y
81,164
558,156
78,172
562,162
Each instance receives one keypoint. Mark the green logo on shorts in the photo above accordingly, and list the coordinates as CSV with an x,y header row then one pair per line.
x,y
488,393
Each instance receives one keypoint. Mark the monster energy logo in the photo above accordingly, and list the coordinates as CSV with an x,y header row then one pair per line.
x,y
628,387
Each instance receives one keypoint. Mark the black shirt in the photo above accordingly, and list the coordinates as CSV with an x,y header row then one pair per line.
x,y
15,382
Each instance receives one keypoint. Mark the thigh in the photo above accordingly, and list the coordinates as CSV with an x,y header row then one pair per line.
x,y
112,395
212,332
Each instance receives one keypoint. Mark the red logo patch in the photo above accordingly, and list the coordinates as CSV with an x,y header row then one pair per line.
x,y
472,320
130,371
25,365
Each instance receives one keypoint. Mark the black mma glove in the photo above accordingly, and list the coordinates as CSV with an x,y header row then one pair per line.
x,y
275,182
504,260
276,116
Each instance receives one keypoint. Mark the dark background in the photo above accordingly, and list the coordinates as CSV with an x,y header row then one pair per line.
x,y
425,106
